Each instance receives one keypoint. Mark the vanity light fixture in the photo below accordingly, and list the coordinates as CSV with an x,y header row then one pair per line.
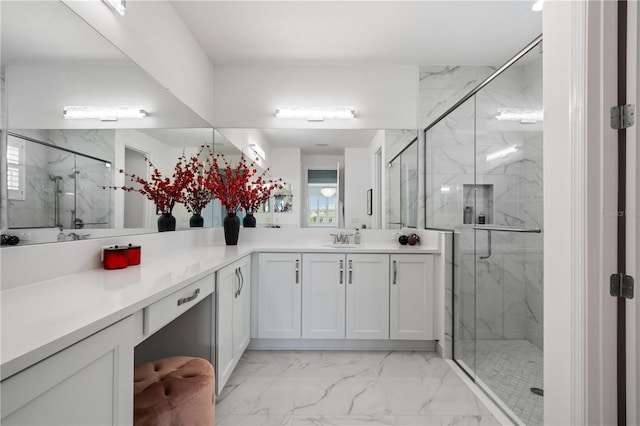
x,y
502,153
328,191
311,113
104,113
257,150
119,6
538,6
524,116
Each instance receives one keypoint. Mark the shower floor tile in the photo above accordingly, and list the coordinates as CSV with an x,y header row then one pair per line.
x,y
510,368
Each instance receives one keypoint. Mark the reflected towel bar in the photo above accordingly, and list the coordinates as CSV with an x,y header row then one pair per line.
x,y
503,229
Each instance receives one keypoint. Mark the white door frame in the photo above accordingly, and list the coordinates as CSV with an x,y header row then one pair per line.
x,y
579,245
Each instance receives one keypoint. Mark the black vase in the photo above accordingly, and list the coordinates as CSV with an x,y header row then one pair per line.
x,y
231,226
196,221
249,220
166,222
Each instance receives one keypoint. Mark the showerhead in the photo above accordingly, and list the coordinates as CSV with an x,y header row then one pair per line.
x,y
73,174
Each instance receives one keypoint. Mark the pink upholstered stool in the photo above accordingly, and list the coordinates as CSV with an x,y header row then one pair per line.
x,y
174,391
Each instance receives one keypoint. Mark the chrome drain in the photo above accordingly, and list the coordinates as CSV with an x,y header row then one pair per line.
x,y
537,391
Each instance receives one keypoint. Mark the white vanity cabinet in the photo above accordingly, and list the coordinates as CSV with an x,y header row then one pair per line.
x,y
345,296
90,382
233,317
279,295
367,288
323,295
411,304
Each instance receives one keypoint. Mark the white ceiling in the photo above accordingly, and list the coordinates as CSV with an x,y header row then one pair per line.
x,y
357,32
46,32
310,141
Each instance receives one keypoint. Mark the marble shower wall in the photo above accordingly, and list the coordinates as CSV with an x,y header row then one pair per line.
x,y
402,180
505,300
81,196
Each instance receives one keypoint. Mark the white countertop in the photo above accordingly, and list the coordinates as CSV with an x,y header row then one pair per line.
x,y
40,319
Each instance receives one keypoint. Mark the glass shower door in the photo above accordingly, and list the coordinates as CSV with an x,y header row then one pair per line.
x,y
508,244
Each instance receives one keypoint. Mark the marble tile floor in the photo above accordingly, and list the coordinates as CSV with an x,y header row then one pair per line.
x,y
347,388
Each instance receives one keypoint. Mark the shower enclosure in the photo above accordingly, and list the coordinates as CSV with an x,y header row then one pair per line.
x,y
402,188
483,182
58,187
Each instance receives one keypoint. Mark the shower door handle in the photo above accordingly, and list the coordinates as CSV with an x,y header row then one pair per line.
x,y
489,244
503,229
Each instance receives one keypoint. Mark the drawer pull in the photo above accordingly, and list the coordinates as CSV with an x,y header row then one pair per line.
x,y
395,272
190,298
297,271
341,271
241,281
350,272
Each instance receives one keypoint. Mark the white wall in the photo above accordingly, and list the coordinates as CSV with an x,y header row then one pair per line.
x,y
285,164
385,97
38,93
153,36
358,178
377,143
557,217
163,156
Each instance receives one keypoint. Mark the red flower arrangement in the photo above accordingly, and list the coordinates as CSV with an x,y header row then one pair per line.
x,y
196,194
238,187
165,192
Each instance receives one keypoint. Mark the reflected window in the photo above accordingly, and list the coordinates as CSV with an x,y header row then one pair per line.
x,y
322,196
15,169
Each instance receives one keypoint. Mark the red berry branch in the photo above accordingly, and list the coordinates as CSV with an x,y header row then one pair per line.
x,y
196,181
240,186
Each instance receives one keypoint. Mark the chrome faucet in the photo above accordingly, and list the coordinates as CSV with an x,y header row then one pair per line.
x,y
341,238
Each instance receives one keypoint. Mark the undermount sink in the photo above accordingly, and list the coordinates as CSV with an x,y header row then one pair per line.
x,y
342,245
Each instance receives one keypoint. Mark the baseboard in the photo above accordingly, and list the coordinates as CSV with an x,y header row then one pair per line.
x,y
337,345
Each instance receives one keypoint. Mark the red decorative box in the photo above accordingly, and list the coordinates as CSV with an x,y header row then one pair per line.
x,y
133,254
116,257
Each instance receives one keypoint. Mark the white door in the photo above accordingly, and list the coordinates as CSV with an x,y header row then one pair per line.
x,y
90,382
227,286
323,296
411,293
367,296
279,295
241,307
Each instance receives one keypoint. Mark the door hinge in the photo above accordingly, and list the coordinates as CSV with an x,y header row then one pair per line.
x,y
621,285
622,116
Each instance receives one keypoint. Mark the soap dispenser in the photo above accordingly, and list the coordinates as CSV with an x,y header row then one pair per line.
x,y
356,236
61,236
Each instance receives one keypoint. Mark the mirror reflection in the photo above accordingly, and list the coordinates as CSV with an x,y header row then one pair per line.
x,y
330,174
56,166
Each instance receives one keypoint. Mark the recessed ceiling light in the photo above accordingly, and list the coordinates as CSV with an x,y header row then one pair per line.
x,y
538,6
119,6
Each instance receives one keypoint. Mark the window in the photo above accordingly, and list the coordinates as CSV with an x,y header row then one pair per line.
x,y
322,197
15,169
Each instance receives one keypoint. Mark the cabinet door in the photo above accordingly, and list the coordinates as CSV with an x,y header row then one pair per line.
x,y
367,296
323,296
242,307
227,286
412,297
88,383
279,294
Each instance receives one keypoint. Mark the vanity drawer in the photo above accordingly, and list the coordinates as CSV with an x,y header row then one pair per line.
x,y
166,310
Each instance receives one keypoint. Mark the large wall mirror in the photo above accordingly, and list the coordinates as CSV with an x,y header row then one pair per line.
x,y
56,167
334,178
